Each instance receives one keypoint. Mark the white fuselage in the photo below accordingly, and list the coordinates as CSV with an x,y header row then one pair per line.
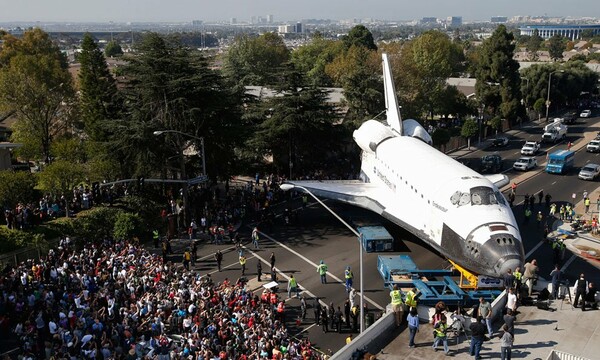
x,y
429,191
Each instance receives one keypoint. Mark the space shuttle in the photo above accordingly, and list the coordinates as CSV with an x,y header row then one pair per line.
x,y
457,211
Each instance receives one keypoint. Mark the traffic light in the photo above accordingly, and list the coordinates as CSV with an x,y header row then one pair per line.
x,y
96,190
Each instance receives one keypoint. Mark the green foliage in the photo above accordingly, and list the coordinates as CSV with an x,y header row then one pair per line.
x,y
95,223
359,35
311,59
15,187
36,85
60,177
498,81
255,60
496,123
469,128
98,92
146,208
68,149
440,137
539,104
113,49
11,240
556,47
533,45
127,226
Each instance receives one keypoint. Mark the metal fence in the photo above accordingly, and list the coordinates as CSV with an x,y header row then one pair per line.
x,y
35,252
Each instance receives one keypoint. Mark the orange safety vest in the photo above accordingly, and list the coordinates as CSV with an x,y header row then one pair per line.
x,y
280,307
273,298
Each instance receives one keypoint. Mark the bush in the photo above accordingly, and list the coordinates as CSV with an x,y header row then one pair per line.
x,y
127,226
96,223
11,240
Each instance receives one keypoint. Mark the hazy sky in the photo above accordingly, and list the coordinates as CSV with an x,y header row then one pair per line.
x,y
209,10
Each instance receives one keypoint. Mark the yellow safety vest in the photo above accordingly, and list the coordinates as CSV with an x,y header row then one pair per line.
x,y
440,331
410,299
293,283
518,275
187,256
242,260
396,297
348,274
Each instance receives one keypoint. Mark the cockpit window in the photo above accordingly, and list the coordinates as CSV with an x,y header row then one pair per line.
x,y
480,195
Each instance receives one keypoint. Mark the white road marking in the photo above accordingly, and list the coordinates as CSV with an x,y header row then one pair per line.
x,y
569,262
553,183
315,266
534,249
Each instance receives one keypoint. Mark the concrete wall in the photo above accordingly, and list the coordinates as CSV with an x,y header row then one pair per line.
x,y
384,324
559,355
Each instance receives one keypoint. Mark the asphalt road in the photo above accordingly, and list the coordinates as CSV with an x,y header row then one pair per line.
x,y
316,235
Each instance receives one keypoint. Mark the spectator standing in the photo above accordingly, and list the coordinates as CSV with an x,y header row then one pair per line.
x,y
352,297
485,312
317,310
509,321
509,279
347,312
324,319
506,343
272,259
413,326
511,300
556,276
477,336
581,289
322,270
255,237
530,275
258,269
219,259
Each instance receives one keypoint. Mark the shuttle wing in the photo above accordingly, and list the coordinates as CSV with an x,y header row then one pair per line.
x,y
353,192
498,179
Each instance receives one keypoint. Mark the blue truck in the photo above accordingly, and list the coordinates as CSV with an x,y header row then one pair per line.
x,y
560,162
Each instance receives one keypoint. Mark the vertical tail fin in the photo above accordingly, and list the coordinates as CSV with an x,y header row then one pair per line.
x,y
391,101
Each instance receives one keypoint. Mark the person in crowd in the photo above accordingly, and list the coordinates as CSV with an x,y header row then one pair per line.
x,y
485,312
581,289
413,326
440,331
506,343
477,337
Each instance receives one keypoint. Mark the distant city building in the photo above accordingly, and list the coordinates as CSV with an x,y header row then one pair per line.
x,y
572,32
196,22
498,19
298,28
233,21
269,19
428,20
286,29
454,21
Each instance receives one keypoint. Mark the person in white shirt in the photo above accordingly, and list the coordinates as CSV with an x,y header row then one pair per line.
x,y
511,300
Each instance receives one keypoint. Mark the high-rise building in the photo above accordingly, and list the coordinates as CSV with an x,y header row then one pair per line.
x,y
454,21
286,29
428,20
498,19
269,19
298,28
233,21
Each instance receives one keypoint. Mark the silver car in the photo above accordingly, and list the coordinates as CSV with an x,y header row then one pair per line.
x,y
525,163
589,172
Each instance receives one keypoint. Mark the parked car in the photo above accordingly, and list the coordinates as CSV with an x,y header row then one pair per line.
x,y
500,141
589,172
525,163
593,146
530,148
491,163
586,113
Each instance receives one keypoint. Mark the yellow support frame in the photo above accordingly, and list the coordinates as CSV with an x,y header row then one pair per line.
x,y
468,280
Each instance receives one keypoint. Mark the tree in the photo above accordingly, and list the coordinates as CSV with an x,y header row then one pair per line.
x,y
15,187
113,49
359,36
440,137
60,177
98,99
496,124
255,60
36,85
534,44
127,226
538,106
498,80
556,47
298,131
468,130
313,57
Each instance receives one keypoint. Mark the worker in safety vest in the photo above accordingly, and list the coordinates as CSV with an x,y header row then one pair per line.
x,y
558,247
587,203
243,264
440,330
397,307
293,287
155,237
349,277
527,216
273,298
411,299
322,270
518,281
187,256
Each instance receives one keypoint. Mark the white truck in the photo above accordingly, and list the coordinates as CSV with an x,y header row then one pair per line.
x,y
555,131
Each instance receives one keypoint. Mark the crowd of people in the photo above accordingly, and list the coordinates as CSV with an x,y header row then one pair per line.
x,y
116,300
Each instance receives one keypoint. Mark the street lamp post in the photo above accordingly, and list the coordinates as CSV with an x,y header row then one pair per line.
x,y
183,171
287,187
523,102
548,96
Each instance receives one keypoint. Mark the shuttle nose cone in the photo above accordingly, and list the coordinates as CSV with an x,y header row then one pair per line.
x,y
504,264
